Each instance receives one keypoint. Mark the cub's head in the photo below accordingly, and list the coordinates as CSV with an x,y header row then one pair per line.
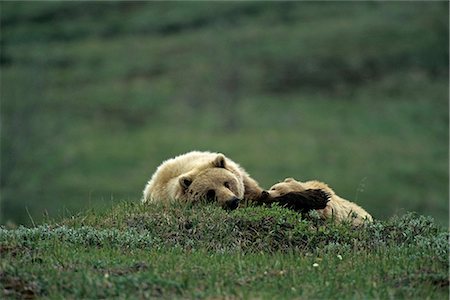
x,y
292,194
216,183
289,185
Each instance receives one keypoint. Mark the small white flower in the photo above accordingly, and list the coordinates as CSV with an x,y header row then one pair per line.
x,y
315,265
339,257
106,275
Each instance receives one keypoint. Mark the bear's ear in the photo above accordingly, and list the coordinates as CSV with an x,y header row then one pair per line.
x,y
219,161
185,181
289,179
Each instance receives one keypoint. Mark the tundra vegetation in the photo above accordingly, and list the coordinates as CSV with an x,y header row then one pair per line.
x,y
174,251
94,95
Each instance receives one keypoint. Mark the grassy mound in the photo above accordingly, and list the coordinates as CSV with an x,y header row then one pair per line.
x,y
172,251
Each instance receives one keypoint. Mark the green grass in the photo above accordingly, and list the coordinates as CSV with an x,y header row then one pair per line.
x,y
136,251
95,96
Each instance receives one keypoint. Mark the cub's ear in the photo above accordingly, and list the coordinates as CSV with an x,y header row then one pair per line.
x,y
289,179
185,181
219,161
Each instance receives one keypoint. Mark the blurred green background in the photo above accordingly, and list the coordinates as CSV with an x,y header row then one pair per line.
x,y
95,95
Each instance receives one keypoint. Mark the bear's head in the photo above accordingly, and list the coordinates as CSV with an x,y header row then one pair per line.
x,y
217,182
292,194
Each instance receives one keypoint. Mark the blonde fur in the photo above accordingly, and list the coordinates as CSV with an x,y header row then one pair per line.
x,y
205,170
338,209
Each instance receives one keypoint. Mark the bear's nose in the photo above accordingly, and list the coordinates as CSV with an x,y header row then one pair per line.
x,y
232,204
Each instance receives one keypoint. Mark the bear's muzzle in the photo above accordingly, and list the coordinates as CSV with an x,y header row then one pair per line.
x,y
232,204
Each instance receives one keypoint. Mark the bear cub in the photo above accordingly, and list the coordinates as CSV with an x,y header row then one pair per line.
x,y
310,195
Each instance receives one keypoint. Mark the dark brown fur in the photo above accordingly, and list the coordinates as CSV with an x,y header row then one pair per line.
x,y
303,201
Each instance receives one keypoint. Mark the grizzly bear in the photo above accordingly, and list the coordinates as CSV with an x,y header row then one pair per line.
x,y
201,176
337,209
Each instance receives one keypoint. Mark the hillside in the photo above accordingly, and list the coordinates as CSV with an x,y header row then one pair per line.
x,y
174,252
94,95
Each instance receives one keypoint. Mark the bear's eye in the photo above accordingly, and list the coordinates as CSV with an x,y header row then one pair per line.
x,y
227,184
210,195
273,189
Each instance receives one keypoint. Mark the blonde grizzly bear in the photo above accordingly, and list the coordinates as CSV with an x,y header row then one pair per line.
x,y
201,176
337,208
